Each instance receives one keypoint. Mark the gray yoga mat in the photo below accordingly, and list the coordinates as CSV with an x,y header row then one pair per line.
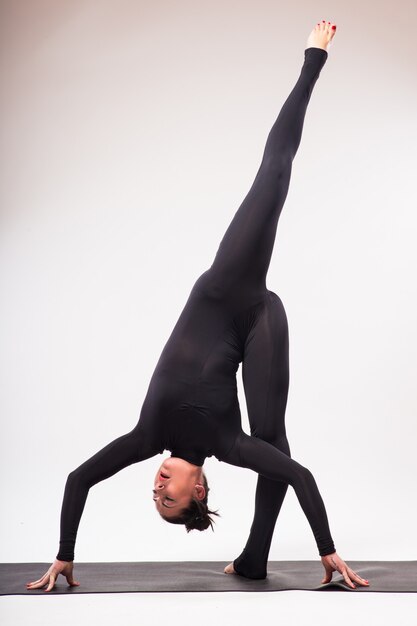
x,y
185,576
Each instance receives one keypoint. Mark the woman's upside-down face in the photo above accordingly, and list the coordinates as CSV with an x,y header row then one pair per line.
x,y
175,483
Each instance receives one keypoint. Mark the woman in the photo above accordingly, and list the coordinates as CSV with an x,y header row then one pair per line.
x,y
191,406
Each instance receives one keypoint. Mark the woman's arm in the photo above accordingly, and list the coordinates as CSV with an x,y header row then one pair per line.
x,y
123,451
129,448
263,458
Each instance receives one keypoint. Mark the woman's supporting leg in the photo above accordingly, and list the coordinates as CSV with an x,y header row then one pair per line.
x,y
265,372
244,253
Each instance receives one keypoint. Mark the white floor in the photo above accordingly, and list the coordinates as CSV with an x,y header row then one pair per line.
x,y
214,609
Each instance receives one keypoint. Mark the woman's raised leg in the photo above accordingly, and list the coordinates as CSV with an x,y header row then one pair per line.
x,y
244,253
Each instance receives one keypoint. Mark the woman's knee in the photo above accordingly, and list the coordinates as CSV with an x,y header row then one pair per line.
x,y
277,166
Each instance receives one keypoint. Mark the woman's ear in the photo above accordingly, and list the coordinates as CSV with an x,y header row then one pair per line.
x,y
200,491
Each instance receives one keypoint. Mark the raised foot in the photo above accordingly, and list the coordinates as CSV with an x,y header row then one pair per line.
x,y
322,35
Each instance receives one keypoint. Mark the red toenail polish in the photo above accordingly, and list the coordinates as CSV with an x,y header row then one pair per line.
x,y
334,27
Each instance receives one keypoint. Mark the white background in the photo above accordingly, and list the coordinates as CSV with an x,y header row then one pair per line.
x,y
131,132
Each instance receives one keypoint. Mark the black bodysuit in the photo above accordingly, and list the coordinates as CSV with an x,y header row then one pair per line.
x,y
191,407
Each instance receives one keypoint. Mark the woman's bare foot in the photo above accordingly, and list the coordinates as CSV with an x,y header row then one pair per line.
x,y
321,36
229,569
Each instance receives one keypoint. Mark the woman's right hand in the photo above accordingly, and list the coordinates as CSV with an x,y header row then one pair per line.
x,y
49,578
333,562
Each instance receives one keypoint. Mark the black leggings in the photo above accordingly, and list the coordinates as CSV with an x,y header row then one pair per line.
x,y
243,259
245,250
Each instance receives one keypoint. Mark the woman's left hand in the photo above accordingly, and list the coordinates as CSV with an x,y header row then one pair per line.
x,y
333,562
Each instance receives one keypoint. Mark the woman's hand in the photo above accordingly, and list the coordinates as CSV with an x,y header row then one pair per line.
x,y
333,562
49,578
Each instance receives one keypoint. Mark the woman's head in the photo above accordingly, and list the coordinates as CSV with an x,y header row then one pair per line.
x,y
180,493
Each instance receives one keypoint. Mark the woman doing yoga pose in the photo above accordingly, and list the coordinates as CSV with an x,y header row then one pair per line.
x,y
191,407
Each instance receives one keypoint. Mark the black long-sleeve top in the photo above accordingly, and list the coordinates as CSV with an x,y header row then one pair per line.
x,y
191,409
